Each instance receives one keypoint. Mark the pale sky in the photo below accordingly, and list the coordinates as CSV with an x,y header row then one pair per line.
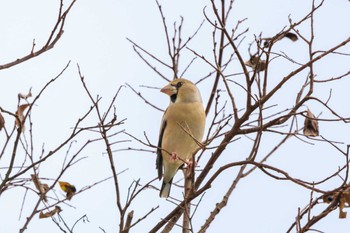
x,y
95,38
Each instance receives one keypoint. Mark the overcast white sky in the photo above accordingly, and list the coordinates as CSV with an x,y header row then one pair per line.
x,y
95,38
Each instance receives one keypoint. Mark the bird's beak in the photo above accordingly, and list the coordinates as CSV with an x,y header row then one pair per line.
x,y
169,90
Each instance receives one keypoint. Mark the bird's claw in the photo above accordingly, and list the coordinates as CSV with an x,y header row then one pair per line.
x,y
190,165
173,156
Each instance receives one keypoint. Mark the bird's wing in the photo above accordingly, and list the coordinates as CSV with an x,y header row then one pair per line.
x,y
159,161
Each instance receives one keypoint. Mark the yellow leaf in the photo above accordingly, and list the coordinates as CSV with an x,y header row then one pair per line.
x,y
68,189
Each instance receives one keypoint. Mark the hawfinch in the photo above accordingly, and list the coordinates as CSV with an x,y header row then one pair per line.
x,y
181,130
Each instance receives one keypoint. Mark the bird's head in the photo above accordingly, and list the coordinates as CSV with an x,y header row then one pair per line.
x,y
182,90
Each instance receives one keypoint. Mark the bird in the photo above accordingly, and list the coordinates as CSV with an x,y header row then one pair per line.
x,y
181,131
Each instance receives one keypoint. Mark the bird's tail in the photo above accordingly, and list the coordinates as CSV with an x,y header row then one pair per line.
x,y
165,189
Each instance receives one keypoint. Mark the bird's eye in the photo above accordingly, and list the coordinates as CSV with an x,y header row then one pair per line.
x,y
179,84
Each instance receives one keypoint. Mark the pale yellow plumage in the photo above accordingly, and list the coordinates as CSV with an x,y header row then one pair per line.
x,y
182,128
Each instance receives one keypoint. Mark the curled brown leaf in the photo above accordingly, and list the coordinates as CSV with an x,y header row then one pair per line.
x,y
20,115
2,122
25,96
256,63
42,188
292,36
310,125
50,213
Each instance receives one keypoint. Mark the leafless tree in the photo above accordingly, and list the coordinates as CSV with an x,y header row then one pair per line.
x,y
245,106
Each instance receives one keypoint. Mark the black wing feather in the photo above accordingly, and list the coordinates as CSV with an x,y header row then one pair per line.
x,y
159,161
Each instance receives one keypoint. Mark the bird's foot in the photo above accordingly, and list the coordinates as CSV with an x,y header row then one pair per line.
x,y
190,164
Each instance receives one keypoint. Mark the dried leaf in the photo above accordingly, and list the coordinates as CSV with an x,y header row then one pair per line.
x,y
25,96
342,214
256,63
344,201
346,196
20,115
50,213
328,199
42,188
293,37
2,122
68,189
310,125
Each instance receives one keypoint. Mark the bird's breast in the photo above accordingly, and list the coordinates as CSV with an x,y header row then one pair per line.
x,y
185,128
